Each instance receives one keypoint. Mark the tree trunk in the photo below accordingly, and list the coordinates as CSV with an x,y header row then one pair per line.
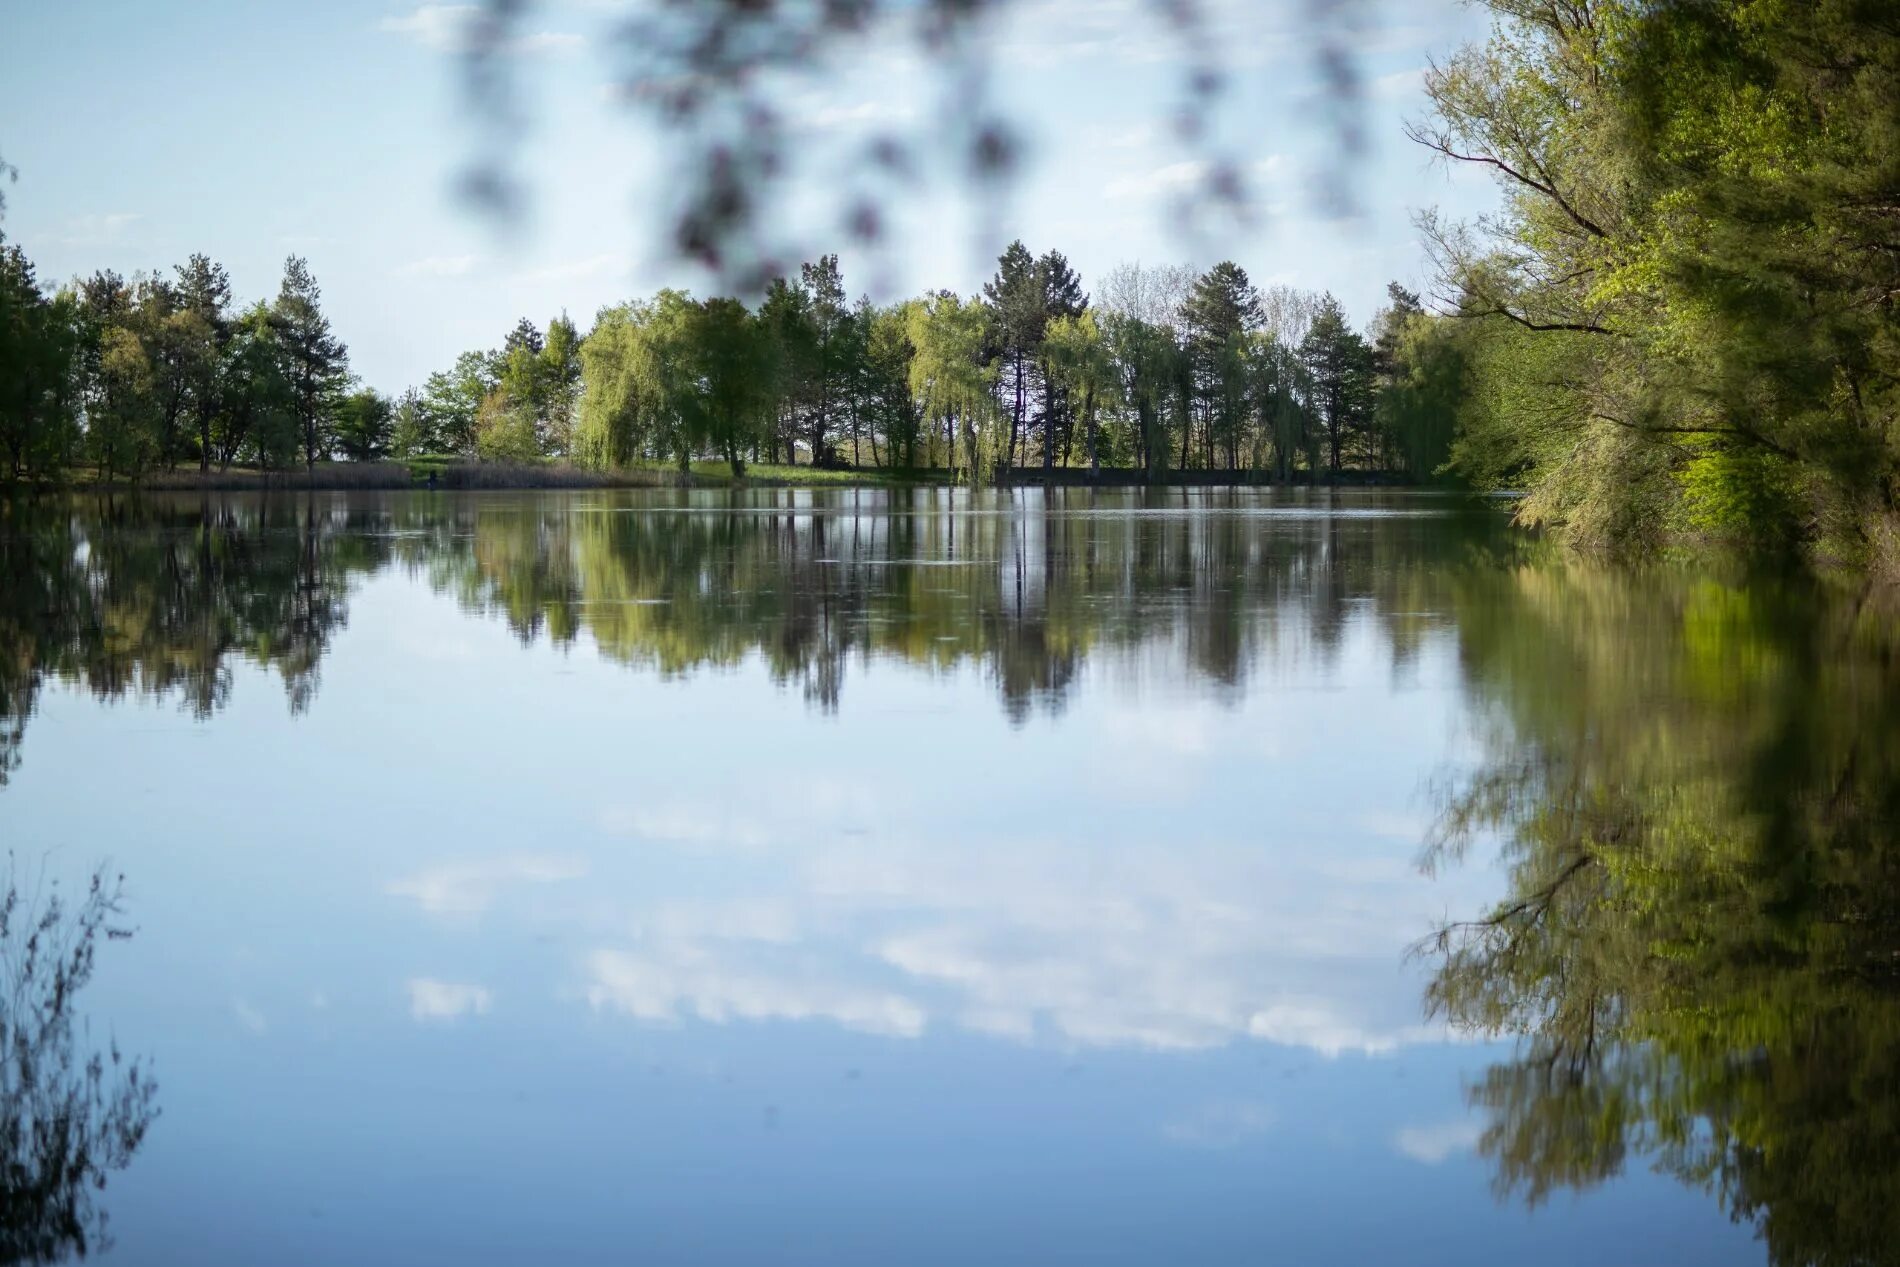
x,y
1016,418
1187,435
1049,395
1088,414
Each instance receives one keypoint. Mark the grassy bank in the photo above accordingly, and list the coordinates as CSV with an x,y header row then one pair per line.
x,y
447,472
777,475
461,473
345,476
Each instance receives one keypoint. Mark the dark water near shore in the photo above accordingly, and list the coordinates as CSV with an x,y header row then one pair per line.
x,y
872,877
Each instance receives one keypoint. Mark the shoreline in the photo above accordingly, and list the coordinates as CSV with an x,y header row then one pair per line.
x,y
468,476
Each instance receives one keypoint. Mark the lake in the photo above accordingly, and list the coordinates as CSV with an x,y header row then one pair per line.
x,y
933,877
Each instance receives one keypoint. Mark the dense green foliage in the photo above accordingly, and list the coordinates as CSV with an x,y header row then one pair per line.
x,y
1684,320
125,376
1166,370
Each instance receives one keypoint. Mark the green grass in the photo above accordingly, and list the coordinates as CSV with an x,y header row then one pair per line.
x,y
452,471
719,472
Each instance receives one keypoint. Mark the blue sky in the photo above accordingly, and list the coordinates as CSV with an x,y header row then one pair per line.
x,y
253,130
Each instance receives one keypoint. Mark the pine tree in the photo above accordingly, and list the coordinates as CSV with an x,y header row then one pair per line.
x,y
1062,298
1341,365
204,291
828,338
315,359
1016,297
1221,310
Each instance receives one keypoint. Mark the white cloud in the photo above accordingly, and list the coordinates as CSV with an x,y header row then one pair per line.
x,y
682,823
826,807
1242,33
439,266
1181,732
1431,1145
856,114
107,229
452,28
1319,1026
1173,178
1138,137
1084,944
440,27
1400,83
548,42
469,888
664,982
249,1017
763,920
431,1000
1387,825
592,266
1219,1125
1187,177
1273,166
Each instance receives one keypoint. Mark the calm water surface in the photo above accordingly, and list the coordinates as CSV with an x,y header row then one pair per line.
x,y
869,878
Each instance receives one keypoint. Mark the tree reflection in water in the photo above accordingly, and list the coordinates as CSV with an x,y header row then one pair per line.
x,y
1695,778
161,596
1697,788
69,1115
157,597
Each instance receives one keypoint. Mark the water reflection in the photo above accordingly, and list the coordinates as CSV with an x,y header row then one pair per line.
x,y
160,596
1701,945
936,579
69,1116
157,598
1199,842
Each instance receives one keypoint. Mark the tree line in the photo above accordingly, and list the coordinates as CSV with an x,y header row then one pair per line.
x,y
1686,318
1166,369
163,370
1162,369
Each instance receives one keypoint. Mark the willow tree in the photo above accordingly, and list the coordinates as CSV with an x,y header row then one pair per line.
x,y
1078,359
637,397
617,376
1279,395
1422,381
950,379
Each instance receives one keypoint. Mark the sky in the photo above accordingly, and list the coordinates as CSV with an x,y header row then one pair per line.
x,y
336,131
